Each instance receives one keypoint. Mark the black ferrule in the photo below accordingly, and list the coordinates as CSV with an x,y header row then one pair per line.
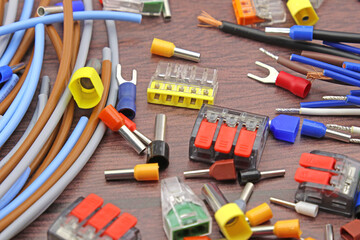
x,y
246,176
158,152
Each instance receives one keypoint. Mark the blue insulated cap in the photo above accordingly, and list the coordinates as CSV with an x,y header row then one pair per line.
x,y
5,73
285,127
77,5
313,129
299,32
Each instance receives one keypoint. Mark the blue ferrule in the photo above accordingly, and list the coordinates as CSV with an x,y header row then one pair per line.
x,y
76,5
304,33
355,93
5,73
351,66
313,129
127,98
324,104
285,127
355,100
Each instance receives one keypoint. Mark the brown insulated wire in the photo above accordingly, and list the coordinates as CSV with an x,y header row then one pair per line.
x,y
22,49
54,96
73,155
2,10
334,60
68,115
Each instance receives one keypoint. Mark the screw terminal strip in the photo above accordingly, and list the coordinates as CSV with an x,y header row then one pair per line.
x,y
222,133
329,180
85,219
184,214
260,12
182,85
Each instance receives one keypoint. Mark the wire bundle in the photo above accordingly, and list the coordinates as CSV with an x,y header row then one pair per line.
x,y
45,160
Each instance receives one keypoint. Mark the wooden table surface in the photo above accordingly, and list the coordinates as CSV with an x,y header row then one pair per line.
x,y
233,57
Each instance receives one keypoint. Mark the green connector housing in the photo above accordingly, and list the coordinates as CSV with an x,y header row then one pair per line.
x,y
187,220
152,8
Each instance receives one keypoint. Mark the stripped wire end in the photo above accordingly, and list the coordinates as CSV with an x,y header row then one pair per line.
x,y
269,53
288,110
317,75
338,127
341,98
206,20
355,140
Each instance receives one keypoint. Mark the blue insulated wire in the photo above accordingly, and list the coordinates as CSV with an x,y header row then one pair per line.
x,y
60,157
343,47
340,77
78,16
326,103
8,87
17,37
15,189
32,79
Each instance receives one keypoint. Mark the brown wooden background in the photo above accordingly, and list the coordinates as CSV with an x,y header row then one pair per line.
x,y
233,57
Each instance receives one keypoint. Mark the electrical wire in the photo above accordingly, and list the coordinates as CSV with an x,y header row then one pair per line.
x,y
19,110
332,36
322,104
67,95
10,17
321,111
17,37
2,10
15,189
82,15
260,36
23,48
53,193
73,155
42,99
8,87
66,149
51,104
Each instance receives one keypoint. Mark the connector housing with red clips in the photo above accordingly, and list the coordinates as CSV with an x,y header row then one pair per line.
x,y
329,180
86,219
222,133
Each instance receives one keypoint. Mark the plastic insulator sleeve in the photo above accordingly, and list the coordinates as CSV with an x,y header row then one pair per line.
x,y
5,73
313,129
332,36
298,86
355,100
303,69
111,118
77,5
126,100
304,33
334,60
248,176
326,103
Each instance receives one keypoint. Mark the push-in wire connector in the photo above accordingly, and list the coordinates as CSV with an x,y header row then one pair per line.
x,y
319,130
126,94
220,170
6,72
296,85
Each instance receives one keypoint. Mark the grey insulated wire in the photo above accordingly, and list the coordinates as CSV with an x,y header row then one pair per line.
x,y
54,192
42,100
10,15
53,120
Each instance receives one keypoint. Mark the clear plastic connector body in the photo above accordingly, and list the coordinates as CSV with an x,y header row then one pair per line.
x,y
132,234
221,133
316,3
144,7
340,195
66,225
184,214
182,85
259,12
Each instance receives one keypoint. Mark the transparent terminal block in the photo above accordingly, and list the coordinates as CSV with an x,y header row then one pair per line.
x,y
316,3
259,12
66,225
182,85
338,195
144,7
221,133
184,214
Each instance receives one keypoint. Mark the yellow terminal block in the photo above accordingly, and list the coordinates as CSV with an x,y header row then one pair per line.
x,y
86,87
182,85
303,12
